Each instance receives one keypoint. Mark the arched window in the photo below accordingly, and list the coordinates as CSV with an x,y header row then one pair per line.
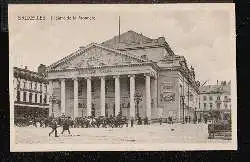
x,y
30,97
24,96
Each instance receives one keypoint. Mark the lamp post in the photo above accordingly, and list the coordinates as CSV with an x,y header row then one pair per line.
x,y
183,98
138,98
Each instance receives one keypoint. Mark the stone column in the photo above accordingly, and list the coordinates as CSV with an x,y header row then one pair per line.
x,y
50,97
148,96
33,97
75,97
117,94
89,96
156,92
102,96
132,96
63,99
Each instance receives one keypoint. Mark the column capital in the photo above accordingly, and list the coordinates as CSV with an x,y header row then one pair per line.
x,y
101,77
62,79
147,74
88,77
131,75
116,76
75,78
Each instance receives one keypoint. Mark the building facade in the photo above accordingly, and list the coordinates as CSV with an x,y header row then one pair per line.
x,y
131,74
216,98
30,93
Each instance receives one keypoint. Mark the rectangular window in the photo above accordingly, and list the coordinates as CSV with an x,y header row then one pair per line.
x,y
35,86
191,97
205,98
210,98
18,96
218,105
30,85
41,87
211,105
45,99
24,85
18,84
41,98
24,96
30,97
205,105
80,89
225,106
45,87
35,98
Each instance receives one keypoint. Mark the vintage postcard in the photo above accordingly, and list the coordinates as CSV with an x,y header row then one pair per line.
x,y
122,77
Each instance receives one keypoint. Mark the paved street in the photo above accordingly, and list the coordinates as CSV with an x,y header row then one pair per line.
x,y
155,133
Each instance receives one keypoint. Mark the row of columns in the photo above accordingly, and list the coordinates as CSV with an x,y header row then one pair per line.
x,y
102,95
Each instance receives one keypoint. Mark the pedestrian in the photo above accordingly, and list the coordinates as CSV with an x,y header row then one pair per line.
x,y
132,121
54,127
66,125
186,119
160,121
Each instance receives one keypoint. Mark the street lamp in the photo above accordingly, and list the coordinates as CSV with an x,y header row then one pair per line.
x,y
138,98
182,99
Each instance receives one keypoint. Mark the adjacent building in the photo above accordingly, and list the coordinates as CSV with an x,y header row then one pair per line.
x,y
216,98
129,74
30,92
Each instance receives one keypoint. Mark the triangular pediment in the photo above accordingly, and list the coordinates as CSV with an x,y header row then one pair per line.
x,y
95,55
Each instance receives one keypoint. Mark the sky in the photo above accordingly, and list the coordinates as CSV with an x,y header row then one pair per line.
x,y
204,34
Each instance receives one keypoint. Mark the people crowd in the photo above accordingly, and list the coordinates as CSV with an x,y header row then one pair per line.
x,y
118,121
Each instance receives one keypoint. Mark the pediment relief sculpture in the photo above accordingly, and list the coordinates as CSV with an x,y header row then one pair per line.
x,y
95,56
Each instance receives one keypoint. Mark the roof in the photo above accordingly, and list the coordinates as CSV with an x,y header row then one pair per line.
x,y
133,40
215,89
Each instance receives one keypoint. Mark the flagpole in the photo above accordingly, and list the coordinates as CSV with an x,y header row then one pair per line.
x,y
119,28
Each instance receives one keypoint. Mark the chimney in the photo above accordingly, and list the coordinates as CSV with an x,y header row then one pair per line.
x,y
41,68
26,68
217,82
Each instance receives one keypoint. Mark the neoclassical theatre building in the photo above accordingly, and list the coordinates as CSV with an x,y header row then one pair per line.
x,y
129,74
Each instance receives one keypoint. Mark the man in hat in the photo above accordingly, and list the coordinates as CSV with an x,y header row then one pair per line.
x,y
66,125
54,127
